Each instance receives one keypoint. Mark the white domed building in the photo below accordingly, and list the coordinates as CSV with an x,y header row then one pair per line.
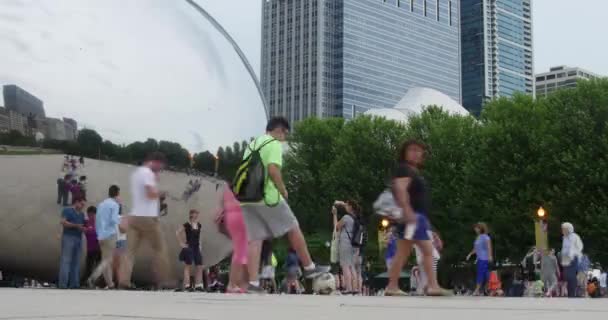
x,y
415,101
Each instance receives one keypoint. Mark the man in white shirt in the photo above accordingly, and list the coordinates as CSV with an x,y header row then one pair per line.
x,y
143,222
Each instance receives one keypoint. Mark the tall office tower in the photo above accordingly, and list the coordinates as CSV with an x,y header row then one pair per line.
x,y
496,50
323,58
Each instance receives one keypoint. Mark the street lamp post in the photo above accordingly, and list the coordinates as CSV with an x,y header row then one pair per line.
x,y
540,229
217,165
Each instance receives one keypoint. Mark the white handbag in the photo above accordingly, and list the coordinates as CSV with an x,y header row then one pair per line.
x,y
386,206
333,253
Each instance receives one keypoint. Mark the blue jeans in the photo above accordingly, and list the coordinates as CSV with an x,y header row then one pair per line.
x,y
69,265
483,273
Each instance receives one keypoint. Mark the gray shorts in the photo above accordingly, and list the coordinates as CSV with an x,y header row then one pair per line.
x,y
264,222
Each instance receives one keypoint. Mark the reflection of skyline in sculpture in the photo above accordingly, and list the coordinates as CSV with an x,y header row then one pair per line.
x,y
147,69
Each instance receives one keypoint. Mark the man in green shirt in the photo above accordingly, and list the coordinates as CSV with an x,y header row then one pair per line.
x,y
272,218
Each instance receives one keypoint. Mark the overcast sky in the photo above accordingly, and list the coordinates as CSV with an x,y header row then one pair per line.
x,y
106,62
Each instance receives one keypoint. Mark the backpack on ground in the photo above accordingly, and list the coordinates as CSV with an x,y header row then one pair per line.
x,y
250,178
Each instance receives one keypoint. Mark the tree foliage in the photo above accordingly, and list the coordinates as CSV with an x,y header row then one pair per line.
x,y
520,154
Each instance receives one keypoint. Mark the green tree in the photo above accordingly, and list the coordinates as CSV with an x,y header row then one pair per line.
x,y
89,142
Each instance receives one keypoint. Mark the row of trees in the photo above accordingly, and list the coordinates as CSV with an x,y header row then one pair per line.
x,y
91,144
520,154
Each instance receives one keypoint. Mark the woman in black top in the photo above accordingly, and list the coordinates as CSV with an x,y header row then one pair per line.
x,y
189,236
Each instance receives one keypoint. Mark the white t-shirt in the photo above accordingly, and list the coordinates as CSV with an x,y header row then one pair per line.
x,y
603,280
142,205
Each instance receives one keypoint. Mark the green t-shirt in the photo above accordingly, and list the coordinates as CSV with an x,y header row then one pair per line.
x,y
270,153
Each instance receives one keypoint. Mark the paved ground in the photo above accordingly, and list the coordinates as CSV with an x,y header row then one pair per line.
x,y
51,304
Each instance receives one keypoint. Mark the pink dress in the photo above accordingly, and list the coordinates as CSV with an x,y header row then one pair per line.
x,y
235,224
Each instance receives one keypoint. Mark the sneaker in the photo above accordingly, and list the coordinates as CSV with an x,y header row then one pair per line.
x,y
189,289
255,289
199,288
317,271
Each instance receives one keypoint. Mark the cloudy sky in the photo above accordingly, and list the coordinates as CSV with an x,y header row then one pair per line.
x,y
133,69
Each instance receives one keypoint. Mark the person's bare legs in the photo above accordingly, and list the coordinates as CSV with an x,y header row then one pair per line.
x,y
198,276
348,280
298,243
186,275
427,253
236,277
253,263
404,249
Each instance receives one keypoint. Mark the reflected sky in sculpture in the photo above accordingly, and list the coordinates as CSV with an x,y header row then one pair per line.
x,y
130,69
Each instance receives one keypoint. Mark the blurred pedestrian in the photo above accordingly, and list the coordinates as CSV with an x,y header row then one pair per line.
x,y
572,251
82,184
107,225
272,217
62,193
346,252
143,223
412,196
230,219
93,257
549,272
189,238
482,248
603,283
72,220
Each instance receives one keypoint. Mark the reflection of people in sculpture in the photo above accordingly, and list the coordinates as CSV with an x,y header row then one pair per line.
x,y
143,222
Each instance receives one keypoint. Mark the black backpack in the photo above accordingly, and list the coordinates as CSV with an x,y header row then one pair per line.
x,y
358,237
250,178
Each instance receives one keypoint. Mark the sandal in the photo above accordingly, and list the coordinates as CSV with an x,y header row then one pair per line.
x,y
395,293
439,293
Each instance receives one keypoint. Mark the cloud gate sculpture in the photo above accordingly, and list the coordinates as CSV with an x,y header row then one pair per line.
x,y
131,70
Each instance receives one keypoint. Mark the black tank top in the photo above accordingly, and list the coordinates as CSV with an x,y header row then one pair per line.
x,y
193,236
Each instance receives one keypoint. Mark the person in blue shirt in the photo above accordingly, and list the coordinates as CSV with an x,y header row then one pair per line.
x,y
483,249
106,224
73,221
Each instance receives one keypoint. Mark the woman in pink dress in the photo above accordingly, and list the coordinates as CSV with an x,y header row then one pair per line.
x,y
230,218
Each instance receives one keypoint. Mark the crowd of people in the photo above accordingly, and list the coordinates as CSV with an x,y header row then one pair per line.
x,y
251,224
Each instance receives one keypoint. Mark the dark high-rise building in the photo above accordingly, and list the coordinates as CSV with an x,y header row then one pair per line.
x,y
496,50
23,102
324,58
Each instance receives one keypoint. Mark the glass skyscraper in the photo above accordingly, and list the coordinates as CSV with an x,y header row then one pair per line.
x,y
496,50
342,57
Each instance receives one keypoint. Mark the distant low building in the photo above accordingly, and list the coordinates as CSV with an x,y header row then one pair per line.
x,y
55,129
4,120
561,77
11,120
71,129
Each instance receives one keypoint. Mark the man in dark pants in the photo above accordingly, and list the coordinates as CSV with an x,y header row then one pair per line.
x,y
62,195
